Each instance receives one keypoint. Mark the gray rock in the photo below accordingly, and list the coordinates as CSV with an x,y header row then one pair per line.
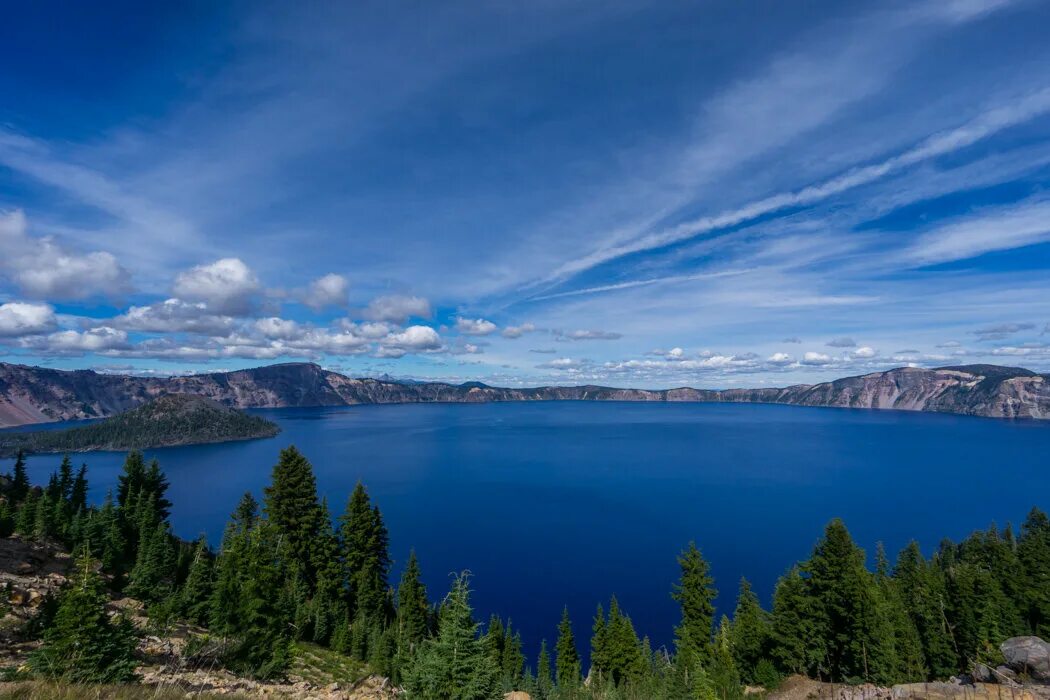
x,y
983,674
1028,656
1004,672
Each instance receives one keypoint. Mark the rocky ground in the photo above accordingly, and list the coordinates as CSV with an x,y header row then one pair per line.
x,y
30,572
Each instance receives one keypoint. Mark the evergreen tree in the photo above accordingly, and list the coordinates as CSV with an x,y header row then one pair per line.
x,y
78,492
922,590
130,482
19,488
25,521
81,645
64,482
695,594
544,684
566,658
1033,551
857,641
413,611
796,645
366,557
195,596
292,508
749,633
453,665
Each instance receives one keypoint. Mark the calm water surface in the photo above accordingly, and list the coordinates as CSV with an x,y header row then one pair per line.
x,y
559,504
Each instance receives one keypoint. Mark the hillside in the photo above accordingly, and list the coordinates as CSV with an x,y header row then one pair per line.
x,y
37,395
175,419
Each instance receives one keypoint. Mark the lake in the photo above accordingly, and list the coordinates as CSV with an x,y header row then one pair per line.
x,y
553,504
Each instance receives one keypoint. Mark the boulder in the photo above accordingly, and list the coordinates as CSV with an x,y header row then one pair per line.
x,y
1028,656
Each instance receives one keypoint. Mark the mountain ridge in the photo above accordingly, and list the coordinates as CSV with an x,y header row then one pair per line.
x,y
38,395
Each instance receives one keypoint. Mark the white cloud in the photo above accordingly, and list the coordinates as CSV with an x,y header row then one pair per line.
x,y
228,286
998,229
397,308
864,353
475,326
586,335
330,290
780,358
517,331
816,359
173,316
278,328
70,342
20,319
413,339
45,270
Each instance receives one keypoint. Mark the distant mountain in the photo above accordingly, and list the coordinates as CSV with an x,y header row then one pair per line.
x,y
36,395
172,419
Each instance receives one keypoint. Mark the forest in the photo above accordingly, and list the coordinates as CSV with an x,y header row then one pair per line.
x,y
287,570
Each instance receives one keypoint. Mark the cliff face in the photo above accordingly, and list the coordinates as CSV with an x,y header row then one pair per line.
x,y
37,395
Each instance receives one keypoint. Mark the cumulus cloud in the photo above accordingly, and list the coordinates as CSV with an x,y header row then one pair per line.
x,y
864,353
517,331
69,342
562,363
586,335
411,339
475,326
278,328
843,342
1002,330
43,269
816,359
175,316
228,286
397,309
780,358
330,290
19,319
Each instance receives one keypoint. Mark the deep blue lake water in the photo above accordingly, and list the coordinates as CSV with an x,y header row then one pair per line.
x,y
553,504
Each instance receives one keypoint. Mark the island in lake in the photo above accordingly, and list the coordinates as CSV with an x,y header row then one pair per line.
x,y
166,421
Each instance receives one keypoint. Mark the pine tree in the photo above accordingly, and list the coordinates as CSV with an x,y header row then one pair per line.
x,y
796,645
566,658
1033,551
454,665
513,660
858,644
695,594
25,522
195,596
130,482
19,488
78,492
292,507
365,543
65,478
749,633
544,688
922,591
413,612
81,645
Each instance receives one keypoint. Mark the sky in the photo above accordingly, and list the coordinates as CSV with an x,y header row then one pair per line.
x,y
713,194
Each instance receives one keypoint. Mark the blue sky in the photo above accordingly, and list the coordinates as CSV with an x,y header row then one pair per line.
x,y
634,194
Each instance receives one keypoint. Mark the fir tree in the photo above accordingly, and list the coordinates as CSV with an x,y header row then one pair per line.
x,y
1033,551
796,645
19,488
544,688
78,492
566,658
292,507
922,591
454,665
195,596
81,645
749,633
695,594
413,611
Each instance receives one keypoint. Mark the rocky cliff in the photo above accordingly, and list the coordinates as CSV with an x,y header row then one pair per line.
x,y
36,395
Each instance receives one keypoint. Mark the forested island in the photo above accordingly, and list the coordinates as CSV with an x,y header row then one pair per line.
x,y
166,421
287,574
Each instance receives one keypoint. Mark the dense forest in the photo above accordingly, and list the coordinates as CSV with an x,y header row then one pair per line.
x,y
172,419
286,570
